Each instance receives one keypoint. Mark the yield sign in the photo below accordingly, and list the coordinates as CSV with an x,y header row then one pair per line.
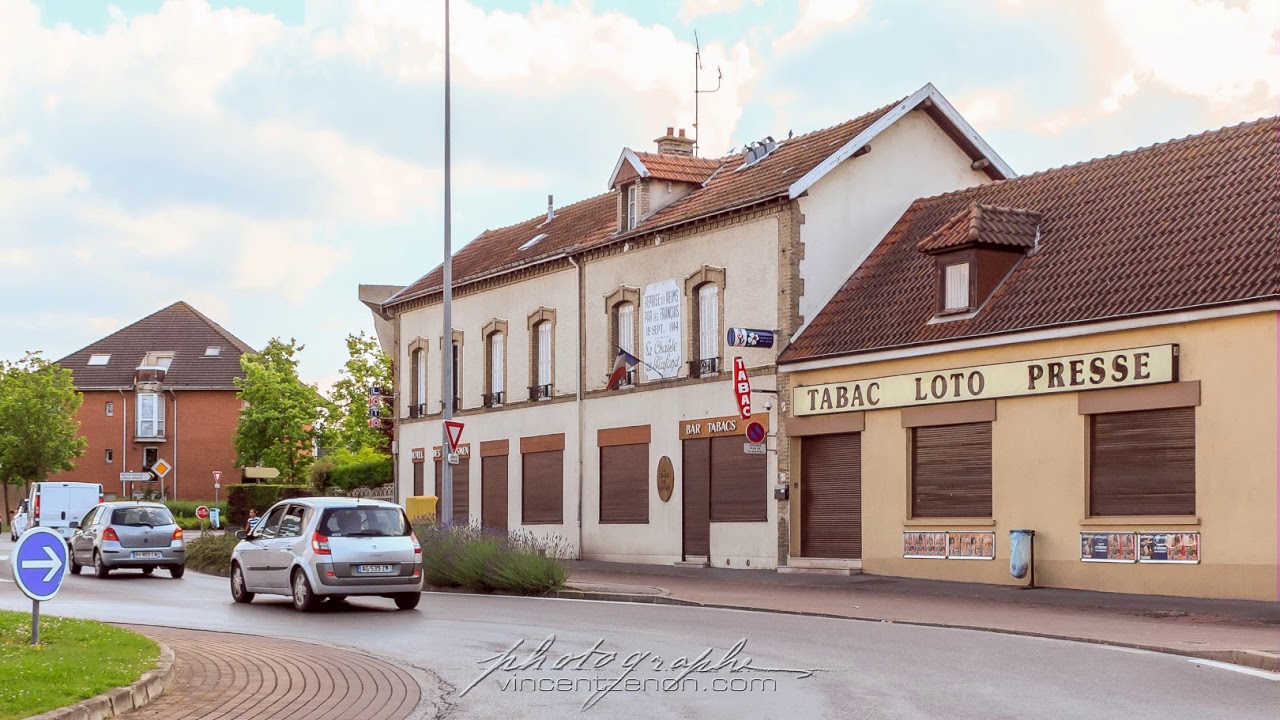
x,y
39,563
454,430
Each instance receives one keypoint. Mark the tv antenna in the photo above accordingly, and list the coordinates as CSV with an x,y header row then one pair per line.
x,y
697,89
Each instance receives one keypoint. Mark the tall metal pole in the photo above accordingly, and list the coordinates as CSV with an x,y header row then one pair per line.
x,y
446,393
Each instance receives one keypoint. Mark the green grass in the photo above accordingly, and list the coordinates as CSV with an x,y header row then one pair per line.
x,y
211,554
76,660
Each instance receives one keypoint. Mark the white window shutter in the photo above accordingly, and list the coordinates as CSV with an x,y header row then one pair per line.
x,y
495,362
421,397
544,352
627,327
957,287
708,322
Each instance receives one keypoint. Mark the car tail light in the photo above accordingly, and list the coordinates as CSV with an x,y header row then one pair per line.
x,y
37,508
110,534
177,534
320,544
100,498
417,546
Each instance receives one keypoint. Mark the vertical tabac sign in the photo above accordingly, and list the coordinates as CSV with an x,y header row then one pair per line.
x,y
742,388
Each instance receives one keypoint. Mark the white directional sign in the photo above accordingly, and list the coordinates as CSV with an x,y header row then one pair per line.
x,y
135,476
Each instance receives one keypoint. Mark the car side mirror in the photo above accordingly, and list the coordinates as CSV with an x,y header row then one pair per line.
x,y
75,525
241,535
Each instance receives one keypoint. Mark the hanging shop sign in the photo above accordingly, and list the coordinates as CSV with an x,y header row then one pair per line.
x,y
663,342
1116,547
666,478
742,388
1169,547
464,450
746,337
1070,373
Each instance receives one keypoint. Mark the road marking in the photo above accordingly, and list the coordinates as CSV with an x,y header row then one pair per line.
x,y
1264,674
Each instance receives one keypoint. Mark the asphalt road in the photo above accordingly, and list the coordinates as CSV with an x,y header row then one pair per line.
x,y
860,669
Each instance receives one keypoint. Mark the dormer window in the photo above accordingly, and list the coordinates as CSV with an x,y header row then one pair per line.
x,y
956,291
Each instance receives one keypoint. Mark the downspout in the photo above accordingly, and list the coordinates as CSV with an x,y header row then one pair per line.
x,y
175,444
124,436
581,378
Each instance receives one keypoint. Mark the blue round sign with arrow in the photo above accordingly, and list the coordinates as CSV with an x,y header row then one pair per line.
x,y
39,562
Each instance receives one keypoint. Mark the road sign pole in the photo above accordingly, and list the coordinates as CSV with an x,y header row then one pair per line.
x,y
446,392
35,623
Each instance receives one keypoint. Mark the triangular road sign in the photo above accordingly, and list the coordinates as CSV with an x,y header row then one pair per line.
x,y
454,430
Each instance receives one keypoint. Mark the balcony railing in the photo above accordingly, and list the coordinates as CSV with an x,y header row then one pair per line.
x,y
417,411
704,367
493,399
539,392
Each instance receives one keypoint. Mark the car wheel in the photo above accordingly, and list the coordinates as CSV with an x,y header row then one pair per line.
x,y
304,599
177,571
73,567
239,591
408,601
148,571
99,567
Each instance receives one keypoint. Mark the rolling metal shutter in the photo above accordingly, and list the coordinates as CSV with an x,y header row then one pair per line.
x,y
418,480
695,493
624,484
951,471
1143,463
493,492
542,488
831,496
739,482
461,491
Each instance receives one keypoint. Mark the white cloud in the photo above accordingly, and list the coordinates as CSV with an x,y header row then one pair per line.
x,y
691,10
817,18
988,108
281,258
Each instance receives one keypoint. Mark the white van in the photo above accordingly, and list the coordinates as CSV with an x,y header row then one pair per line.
x,y
58,504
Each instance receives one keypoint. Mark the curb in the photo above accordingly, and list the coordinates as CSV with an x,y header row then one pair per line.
x,y
122,699
1255,659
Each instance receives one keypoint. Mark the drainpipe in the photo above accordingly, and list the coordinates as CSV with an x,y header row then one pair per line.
x,y
124,436
175,444
581,431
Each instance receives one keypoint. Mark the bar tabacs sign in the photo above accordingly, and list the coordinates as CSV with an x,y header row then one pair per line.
x,y
1070,373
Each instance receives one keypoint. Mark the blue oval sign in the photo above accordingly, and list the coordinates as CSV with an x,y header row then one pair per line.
x,y
39,563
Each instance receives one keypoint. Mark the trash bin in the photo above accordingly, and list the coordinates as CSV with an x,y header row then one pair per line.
x,y
213,518
1021,553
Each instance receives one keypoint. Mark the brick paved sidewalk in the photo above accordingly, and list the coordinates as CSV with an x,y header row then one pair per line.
x,y
221,676
1242,632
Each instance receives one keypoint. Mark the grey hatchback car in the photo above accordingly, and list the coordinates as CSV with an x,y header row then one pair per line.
x,y
141,535
313,549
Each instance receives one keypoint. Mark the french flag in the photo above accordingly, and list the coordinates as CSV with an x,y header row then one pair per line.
x,y
624,362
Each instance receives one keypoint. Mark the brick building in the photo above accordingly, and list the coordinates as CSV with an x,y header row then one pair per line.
x,y
161,388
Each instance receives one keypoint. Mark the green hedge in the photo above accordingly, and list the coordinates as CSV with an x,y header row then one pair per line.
x,y
368,474
211,554
487,560
259,497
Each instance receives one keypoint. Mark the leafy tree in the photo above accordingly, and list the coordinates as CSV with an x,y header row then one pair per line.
x,y
39,433
367,366
283,417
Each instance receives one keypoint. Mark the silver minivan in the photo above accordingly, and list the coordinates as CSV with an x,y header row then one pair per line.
x,y
127,534
313,549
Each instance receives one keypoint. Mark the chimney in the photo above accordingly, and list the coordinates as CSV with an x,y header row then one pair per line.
x,y
551,208
671,144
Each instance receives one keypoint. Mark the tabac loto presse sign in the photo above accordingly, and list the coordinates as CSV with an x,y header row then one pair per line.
x,y
1071,373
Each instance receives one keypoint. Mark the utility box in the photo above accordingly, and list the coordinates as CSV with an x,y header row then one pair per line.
x,y
421,508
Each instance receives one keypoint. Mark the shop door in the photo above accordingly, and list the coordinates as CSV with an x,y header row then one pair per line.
x,y
696,497
493,492
831,496
418,480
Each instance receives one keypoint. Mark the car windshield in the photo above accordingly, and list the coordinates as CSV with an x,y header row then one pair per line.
x,y
141,517
364,522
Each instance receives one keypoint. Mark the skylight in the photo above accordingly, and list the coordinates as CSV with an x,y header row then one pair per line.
x,y
212,351
165,362
533,241
99,359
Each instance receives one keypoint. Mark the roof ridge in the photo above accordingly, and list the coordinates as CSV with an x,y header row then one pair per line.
x,y
241,345
531,219
1103,159
117,332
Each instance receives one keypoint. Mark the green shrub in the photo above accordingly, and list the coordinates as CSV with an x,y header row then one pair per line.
x,y
259,497
368,474
187,508
211,554
487,560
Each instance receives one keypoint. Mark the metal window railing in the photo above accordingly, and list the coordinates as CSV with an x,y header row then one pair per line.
x,y
704,367
539,392
493,399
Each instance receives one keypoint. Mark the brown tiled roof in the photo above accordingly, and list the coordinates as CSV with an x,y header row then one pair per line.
x,y
679,168
179,328
1187,223
984,225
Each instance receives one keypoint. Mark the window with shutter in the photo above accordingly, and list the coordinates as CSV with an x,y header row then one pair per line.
x,y
1143,463
951,471
496,363
624,484
626,327
708,322
542,488
493,492
544,352
461,491
739,482
957,287
420,369
631,219
457,375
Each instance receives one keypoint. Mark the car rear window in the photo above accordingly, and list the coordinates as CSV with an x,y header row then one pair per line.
x,y
364,522
141,516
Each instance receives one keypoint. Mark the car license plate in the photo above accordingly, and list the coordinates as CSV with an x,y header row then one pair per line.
x,y
373,569
145,555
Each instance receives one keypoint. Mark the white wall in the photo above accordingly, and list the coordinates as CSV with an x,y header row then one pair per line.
x,y
852,208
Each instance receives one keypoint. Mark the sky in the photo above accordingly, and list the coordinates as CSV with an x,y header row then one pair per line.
x,y
260,159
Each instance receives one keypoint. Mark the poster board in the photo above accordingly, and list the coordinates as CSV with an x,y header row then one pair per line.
x,y
1179,548
1113,547
928,544
971,545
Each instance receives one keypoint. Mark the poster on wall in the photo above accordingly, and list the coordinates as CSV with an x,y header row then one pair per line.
x,y
924,544
662,340
971,545
1176,547
1109,547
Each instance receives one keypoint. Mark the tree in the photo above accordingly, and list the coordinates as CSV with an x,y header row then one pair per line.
x,y
367,367
39,433
283,418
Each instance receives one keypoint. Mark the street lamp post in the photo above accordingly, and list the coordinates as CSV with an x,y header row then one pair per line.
x,y
446,470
